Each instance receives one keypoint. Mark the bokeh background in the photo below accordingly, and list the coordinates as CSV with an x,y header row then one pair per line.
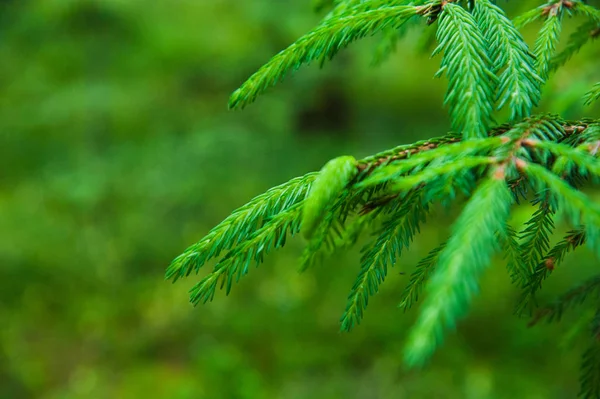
x,y
117,151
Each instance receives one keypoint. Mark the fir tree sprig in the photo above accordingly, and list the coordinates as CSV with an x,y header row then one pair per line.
x,y
545,45
455,280
320,44
518,269
593,94
395,235
240,224
535,238
519,84
585,33
488,66
552,259
470,93
570,299
423,271
237,262
590,368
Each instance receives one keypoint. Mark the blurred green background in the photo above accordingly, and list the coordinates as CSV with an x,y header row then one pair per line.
x,y
117,152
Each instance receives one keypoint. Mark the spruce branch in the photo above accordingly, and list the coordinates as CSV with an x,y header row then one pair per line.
x,y
455,280
573,297
585,33
552,259
240,224
590,364
321,43
517,267
237,262
519,84
545,45
419,277
395,235
593,94
470,93
535,238
590,368
575,205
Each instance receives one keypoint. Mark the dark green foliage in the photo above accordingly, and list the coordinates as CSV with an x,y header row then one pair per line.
x,y
401,225
542,158
586,32
593,94
426,266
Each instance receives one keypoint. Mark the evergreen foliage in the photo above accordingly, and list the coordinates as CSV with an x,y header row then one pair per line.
x,y
542,159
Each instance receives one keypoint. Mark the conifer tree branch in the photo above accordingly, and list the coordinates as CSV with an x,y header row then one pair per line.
x,y
593,94
419,277
321,43
572,298
395,235
545,45
552,259
586,32
455,279
237,262
517,267
240,224
470,93
519,84
535,238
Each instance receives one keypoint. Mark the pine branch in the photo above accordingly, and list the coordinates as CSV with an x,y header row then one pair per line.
x,y
237,262
590,369
517,267
470,93
519,84
584,34
593,94
455,280
321,43
395,235
529,17
323,242
569,160
555,256
536,236
241,224
419,277
578,208
589,11
575,296
451,156
545,45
